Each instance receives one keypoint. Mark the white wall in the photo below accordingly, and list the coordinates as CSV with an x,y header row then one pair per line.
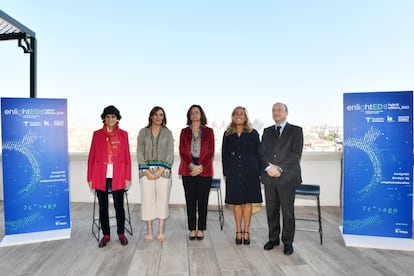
x,y
323,168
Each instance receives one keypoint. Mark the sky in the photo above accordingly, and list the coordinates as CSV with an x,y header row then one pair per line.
x,y
217,53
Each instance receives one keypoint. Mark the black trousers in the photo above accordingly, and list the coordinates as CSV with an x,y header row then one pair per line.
x,y
197,190
280,198
118,197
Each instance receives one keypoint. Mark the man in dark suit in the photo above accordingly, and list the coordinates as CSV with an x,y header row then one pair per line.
x,y
282,144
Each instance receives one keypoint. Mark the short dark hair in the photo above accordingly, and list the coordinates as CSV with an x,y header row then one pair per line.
x,y
203,119
110,109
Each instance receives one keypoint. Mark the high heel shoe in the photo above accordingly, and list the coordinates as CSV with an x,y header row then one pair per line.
x,y
192,237
239,241
200,237
246,241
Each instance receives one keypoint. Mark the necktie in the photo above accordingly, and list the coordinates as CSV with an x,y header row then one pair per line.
x,y
278,132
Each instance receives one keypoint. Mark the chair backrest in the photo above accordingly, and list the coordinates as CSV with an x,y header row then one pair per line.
x,y
215,183
308,189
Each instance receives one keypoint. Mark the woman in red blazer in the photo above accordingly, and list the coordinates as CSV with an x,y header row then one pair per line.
x,y
109,170
196,168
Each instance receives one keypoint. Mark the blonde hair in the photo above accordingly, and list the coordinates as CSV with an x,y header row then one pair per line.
x,y
232,126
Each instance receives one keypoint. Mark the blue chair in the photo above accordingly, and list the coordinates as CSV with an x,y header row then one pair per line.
x,y
216,186
313,191
96,225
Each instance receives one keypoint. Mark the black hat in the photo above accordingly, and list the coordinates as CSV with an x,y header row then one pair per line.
x,y
110,109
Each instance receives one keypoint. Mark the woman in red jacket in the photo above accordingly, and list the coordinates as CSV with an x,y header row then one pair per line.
x,y
196,168
109,170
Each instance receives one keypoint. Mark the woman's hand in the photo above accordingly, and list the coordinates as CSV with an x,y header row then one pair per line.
x,y
156,175
128,184
159,172
149,175
196,170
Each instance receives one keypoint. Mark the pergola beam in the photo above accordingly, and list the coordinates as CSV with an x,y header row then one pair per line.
x,y
11,29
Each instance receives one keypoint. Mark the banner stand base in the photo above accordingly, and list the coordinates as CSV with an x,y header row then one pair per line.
x,y
34,237
377,242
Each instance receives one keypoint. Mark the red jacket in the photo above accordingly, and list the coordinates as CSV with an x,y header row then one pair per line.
x,y
97,162
206,151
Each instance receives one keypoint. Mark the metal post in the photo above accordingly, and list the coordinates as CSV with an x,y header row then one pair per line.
x,y
33,68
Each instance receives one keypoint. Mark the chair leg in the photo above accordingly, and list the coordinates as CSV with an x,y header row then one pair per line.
x,y
315,196
319,217
220,207
128,218
96,223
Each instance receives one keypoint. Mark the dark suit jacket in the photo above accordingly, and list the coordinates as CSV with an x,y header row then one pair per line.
x,y
286,153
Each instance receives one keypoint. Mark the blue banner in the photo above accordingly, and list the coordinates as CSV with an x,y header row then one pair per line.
x,y
35,165
378,164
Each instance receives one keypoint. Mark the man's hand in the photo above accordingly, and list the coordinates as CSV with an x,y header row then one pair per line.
x,y
273,171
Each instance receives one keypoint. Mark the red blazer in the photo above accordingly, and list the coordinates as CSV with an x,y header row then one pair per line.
x,y
97,162
206,151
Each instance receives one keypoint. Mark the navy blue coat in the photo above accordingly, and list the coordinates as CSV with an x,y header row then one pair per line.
x,y
242,158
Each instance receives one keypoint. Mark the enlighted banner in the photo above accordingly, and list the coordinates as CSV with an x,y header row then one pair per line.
x,y
35,165
378,164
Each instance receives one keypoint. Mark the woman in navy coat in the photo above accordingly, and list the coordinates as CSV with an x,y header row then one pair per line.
x,y
241,158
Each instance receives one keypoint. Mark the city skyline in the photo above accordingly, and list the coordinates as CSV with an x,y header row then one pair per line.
x,y
219,54
80,138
